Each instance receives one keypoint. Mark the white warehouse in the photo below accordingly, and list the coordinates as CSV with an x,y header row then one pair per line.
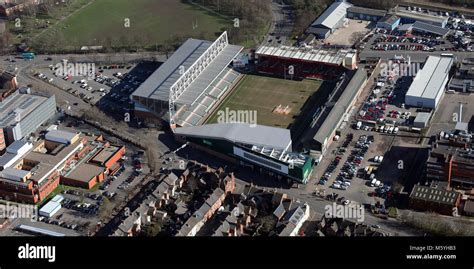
x,y
429,83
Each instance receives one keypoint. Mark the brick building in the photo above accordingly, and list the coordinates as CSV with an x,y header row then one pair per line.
x,y
452,160
30,172
434,198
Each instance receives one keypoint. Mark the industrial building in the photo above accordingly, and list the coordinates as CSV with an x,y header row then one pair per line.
x,y
325,124
426,28
30,171
463,80
429,83
451,160
184,90
412,17
22,113
365,14
50,209
265,149
434,198
330,20
422,120
389,22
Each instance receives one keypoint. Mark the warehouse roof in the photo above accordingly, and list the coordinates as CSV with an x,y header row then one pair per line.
x,y
429,80
332,15
50,207
367,11
430,28
39,230
17,106
258,135
335,57
419,16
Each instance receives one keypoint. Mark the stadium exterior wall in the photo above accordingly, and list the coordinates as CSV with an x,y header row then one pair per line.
x,y
239,155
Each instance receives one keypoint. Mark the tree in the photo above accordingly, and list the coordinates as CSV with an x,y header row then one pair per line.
x,y
151,229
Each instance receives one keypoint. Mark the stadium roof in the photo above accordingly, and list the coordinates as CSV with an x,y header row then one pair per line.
x,y
332,15
367,11
430,28
207,76
335,57
158,85
257,135
341,106
429,80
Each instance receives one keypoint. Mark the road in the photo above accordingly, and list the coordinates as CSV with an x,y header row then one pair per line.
x,y
282,24
416,56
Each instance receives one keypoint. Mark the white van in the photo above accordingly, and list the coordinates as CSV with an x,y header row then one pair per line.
x,y
395,131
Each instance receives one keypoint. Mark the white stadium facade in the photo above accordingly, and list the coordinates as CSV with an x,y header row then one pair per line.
x,y
184,90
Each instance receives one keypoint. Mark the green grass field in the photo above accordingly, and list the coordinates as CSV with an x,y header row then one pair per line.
x,y
263,94
152,22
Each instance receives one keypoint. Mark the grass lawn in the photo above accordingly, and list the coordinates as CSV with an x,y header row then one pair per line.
x,y
263,94
152,23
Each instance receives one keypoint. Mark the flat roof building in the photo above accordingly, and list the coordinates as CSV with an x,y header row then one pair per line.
x,y
422,120
427,28
429,83
411,17
434,198
31,176
21,114
366,14
50,209
451,160
389,22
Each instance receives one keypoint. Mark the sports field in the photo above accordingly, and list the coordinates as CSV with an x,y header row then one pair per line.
x,y
264,94
136,22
